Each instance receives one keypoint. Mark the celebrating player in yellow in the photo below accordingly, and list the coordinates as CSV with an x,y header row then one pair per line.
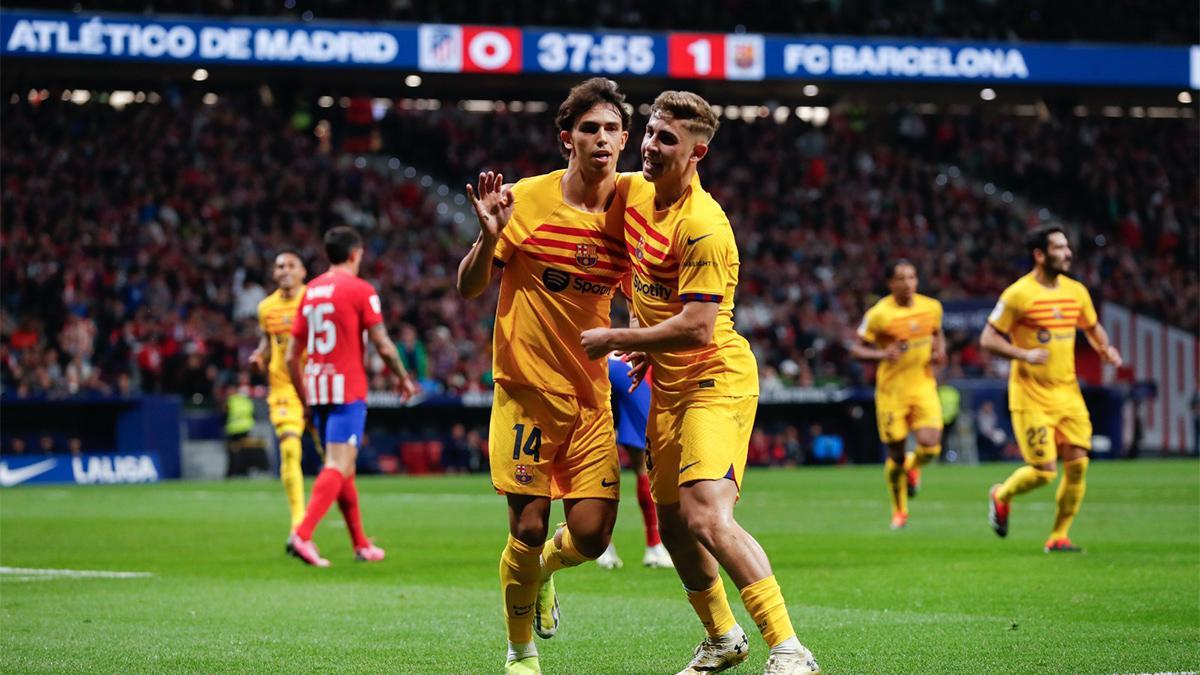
x,y
275,315
705,388
1040,314
903,332
557,242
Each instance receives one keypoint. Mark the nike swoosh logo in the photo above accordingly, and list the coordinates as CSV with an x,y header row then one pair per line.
x,y
11,477
688,466
518,611
692,240
604,483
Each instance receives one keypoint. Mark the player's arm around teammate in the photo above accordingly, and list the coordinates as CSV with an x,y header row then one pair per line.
x,y
685,267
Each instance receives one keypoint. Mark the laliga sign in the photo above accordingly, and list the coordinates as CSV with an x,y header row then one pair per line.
x,y
904,61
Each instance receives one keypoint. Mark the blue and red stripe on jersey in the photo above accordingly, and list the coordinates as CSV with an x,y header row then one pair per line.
x,y
699,297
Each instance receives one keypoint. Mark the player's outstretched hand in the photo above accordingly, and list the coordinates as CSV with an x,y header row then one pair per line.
x,y
409,387
595,342
1037,356
493,202
257,363
308,417
1112,357
892,353
639,367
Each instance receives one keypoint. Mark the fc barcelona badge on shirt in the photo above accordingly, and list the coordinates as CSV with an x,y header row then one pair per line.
x,y
585,255
522,475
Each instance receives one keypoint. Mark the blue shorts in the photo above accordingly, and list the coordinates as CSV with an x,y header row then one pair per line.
x,y
630,410
343,423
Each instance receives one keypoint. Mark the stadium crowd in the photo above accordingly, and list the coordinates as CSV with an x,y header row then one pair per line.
x,y
1015,20
137,241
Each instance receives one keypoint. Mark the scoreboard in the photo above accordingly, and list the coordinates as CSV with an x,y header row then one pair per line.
x,y
455,48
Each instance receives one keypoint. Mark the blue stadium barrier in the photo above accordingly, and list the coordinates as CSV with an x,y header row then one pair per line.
x,y
140,427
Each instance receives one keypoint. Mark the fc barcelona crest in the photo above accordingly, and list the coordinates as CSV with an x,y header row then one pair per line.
x,y
1058,313
522,475
585,255
743,55
640,252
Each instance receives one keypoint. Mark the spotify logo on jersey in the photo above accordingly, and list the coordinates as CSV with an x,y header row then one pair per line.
x,y
556,280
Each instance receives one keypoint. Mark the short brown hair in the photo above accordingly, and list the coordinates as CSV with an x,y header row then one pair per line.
x,y
585,96
697,115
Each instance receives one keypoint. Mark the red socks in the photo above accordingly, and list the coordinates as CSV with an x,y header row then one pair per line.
x,y
348,503
332,485
649,515
326,489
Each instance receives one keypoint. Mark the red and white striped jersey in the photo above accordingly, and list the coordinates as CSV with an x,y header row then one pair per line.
x,y
331,321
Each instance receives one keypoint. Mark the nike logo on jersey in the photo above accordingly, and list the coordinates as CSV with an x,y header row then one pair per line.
x,y
604,482
692,240
10,477
685,468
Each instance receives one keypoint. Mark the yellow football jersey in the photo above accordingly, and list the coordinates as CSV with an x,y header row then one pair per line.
x,y
913,328
1035,316
687,253
561,267
275,314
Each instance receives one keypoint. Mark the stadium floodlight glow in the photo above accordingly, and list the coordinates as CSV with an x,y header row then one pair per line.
x,y
1184,97
199,74
325,101
413,81
811,90
987,94
210,99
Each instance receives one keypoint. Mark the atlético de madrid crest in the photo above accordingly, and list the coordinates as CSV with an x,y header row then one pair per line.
x,y
585,255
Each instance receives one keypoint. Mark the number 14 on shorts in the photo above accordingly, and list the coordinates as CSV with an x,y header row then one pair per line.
x,y
531,446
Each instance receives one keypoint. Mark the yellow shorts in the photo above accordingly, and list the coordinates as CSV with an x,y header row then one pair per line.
x,y
547,445
899,416
697,439
287,415
1039,433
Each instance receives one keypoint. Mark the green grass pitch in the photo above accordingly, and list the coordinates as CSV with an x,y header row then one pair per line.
x,y
943,596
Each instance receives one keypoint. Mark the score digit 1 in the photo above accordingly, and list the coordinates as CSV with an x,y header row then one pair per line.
x,y
696,56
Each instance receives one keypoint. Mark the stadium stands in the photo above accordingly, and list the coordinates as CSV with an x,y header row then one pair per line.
x,y
138,240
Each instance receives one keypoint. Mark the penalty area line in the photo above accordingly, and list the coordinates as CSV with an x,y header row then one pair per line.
x,y
27,574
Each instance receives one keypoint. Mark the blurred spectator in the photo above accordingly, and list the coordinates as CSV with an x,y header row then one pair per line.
x,y
135,238
456,453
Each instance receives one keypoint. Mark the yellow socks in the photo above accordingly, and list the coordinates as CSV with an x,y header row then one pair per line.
x,y
1070,495
291,475
712,607
1023,480
555,557
764,602
520,577
926,454
897,483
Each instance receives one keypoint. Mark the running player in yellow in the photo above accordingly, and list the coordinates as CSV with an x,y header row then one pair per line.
x,y
556,242
275,314
903,332
1039,316
705,388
